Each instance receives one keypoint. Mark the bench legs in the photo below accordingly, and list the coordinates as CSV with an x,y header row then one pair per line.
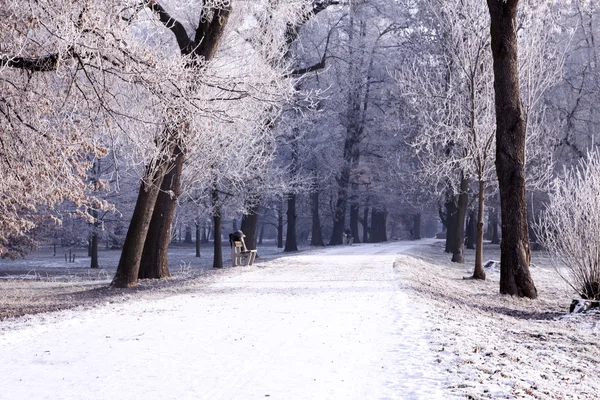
x,y
236,258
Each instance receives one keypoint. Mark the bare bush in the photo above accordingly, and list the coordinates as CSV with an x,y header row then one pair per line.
x,y
569,228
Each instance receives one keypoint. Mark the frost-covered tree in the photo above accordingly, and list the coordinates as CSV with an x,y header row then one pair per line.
x,y
569,227
234,81
573,105
449,84
73,75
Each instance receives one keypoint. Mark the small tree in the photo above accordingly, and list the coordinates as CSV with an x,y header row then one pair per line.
x,y
569,228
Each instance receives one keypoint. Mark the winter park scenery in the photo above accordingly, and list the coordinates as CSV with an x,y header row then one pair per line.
x,y
299,199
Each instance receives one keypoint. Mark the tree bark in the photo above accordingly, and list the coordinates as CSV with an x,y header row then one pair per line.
x,y
188,235
378,226
515,278
339,215
94,242
458,255
129,263
290,237
250,225
366,224
261,232
451,221
471,231
218,246
479,273
198,239
354,213
155,262
205,233
280,226
416,226
316,238
203,47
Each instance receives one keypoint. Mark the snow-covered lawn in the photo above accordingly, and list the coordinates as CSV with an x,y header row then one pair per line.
x,y
389,321
498,346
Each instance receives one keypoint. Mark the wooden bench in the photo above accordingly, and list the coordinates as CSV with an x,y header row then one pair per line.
x,y
239,252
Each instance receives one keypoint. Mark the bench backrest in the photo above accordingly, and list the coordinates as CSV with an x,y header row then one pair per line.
x,y
239,245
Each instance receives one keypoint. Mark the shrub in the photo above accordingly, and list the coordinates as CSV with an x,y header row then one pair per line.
x,y
569,227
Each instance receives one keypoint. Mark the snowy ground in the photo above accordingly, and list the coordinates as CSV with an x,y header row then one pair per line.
x,y
390,321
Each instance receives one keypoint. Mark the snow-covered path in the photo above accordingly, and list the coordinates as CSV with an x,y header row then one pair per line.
x,y
327,324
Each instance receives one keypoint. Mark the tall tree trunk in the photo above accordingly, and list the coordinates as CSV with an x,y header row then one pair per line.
x,y
458,255
339,215
217,243
198,239
290,237
354,213
416,226
250,225
479,273
451,221
94,242
493,220
316,234
205,233
291,242
155,263
188,235
378,226
366,224
280,225
203,47
129,263
471,231
515,256
262,231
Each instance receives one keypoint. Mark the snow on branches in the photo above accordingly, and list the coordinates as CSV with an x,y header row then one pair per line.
x,y
569,227
82,79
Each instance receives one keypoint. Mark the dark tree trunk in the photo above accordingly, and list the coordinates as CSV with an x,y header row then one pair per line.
x,y
354,213
203,47
378,226
339,218
416,235
471,231
458,255
366,225
316,234
129,263
250,225
188,235
205,233
280,226
451,221
479,273
261,232
290,237
494,225
94,242
218,246
155,263
515,278
234,225
198,239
